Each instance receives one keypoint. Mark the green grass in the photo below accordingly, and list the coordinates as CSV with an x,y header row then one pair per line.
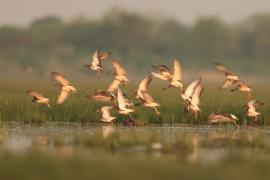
x,y
16,105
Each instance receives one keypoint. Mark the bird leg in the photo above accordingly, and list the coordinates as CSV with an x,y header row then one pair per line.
x,y
236,125
167,87
98,74
156,111
49,106
249,96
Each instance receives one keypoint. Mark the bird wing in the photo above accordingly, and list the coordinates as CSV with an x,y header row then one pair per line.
x,y
118,68
251,106
95,58
162,68
177,74
62,96
105,110
220,67
147,97
196,95
113,86
35,94
158,75
144,83
190,89
227,83
104,55
121,100
60,78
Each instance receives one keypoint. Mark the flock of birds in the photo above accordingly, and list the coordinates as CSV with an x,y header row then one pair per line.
x,y
119,101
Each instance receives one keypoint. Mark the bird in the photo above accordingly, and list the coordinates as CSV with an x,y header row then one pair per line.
x,y
119,72
251,109
143,86
120,77
194,105
106,115
219,117
38,98
164,73
101,95
146,99
187,94
241,86
230,77
66,87
122,105
113,86
97,59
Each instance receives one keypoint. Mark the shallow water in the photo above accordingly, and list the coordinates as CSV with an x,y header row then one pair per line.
x,y
195,144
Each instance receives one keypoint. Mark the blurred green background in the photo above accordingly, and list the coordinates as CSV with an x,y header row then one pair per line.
x,y
50,43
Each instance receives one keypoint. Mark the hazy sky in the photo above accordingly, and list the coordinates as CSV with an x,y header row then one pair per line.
x,y
23,11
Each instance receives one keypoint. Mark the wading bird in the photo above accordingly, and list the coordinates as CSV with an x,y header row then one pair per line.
x,y
97,59
122,105
241,86
219,117
105,115
66,87
194,105
230,77
145,97
38,98
164,73
251,109
101,95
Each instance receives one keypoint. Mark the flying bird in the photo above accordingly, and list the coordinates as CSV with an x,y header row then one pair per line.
x,y
122,105
38,98
66,87
241,86
120,77
145,97
114,86
164,73
97,58
194,105
230,77
219,117
251,109
187,94
143,86
101,95
119,72
106,115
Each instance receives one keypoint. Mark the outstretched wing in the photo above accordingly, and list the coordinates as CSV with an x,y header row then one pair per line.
x,y
144,83
113,86
60,78
121,100
119,70
95,58
35,94
177,74
62,96
196,95
104,55
190,89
